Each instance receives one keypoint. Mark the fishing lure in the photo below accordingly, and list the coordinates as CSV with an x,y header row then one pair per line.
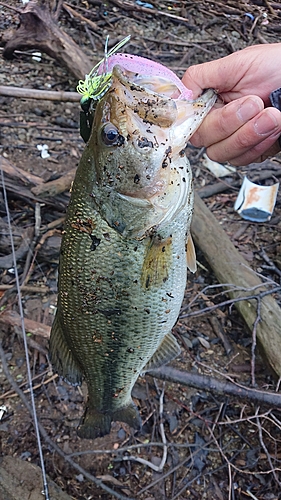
x,y
95,86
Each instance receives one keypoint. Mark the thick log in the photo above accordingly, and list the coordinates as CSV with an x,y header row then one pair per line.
x,y
230,267
39,30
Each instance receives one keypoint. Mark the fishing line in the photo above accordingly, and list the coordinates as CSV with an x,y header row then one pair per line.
x,y
29,378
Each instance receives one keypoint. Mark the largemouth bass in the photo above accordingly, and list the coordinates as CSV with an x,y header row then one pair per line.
x,y
126,246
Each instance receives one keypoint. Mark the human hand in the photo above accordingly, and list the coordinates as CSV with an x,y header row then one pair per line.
x,y
242,127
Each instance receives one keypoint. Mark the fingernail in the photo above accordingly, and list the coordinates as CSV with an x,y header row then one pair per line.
x,y
266,123
250,108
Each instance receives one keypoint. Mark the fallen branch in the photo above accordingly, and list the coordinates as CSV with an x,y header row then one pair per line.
x,y
47,95
12,318
230,267
81,18
211,384
17,172
52,188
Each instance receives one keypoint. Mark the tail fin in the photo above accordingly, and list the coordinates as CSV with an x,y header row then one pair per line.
x,y
97,424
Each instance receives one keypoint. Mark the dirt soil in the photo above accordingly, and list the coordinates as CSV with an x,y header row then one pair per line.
x,y
219,447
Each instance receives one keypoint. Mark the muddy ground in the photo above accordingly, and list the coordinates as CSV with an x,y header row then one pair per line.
x,y
219,447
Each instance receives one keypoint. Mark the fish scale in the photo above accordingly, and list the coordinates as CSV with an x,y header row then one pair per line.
x,y
121,287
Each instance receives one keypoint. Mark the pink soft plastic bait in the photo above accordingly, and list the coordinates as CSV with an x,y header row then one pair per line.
x,y
146,67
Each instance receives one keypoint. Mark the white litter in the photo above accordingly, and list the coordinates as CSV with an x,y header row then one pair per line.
x,y
36,56
44,150
256,203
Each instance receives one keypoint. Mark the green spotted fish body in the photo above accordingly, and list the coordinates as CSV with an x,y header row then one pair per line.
x,y
124,250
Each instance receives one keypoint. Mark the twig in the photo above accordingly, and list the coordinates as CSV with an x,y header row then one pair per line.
x,y
73,13
266,451
231,288
27,273
10,393
271,265
132,6
10,7
230,302
220,334
156,468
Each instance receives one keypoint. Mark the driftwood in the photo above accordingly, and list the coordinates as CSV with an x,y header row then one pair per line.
x,y
38,29
262,316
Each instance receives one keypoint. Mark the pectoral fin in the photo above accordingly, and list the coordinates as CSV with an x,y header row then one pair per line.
x,y
191,255
157,262
168,350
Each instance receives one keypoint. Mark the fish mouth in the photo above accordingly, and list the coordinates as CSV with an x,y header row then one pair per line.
x,y
150,99
146,181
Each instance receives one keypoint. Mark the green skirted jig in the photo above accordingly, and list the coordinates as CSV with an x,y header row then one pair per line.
x,y
94,87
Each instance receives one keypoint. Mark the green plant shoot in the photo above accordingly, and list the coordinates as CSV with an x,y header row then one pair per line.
x,y
95,86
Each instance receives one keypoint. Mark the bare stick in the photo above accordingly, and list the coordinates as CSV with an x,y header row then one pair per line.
x,y
211,384
156,468
47,95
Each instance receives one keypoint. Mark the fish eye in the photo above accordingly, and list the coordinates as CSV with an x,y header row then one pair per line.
x,y
111,136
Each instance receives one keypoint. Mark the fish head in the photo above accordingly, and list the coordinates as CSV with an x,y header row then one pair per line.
x,y
141,127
